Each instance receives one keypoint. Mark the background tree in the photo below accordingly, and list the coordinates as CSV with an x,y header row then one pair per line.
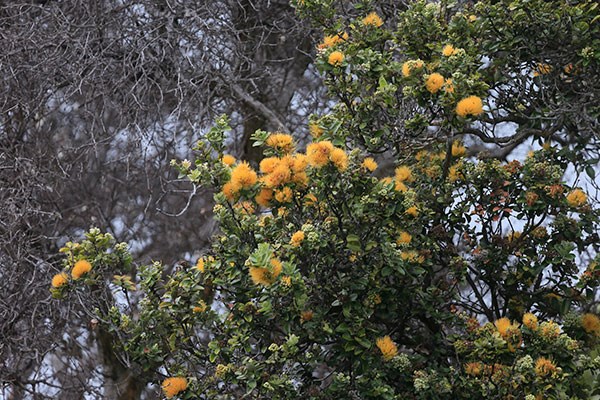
x,y
96,98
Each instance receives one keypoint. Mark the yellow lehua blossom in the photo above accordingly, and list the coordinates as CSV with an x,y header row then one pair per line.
x,y
373,19
454,173
399,186
471,105
448,50
284,195
297,239
230,190
412,256
280,175
286,281
404,238
310,200
200,264
449,86
306,316
503,325
318,153
549,329
173,386
530,321
544,367
591,323
201,307
576,198
267,165
403,173
409,66
300,162
387,180
434,82
412,211
473,368
264,197
281,141
228,159
243,175
369,164
330,41
339,158
59,280
387,347
266,276
315,130
472,18
336,58
80,268
542,69
458,150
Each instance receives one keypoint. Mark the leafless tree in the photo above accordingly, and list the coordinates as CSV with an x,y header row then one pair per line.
x,y
95,99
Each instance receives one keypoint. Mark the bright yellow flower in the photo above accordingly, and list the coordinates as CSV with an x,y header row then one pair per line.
x,y
458,150
230,190
201,307
473,368
300,162
591,323
434,82
410,66
369,164
530,321
576,198
403,173
448,50
200,264
454,173
266,276
449,86
228,160
330,41
412,211
80,268
280,175
373,19
173,386
542,69
339,158
244,176
399,186
284,195
297,239
549,329
310,200
267,165
264,197
503,325
59,280
544,367
318,153
471,105
404,238
336,58
387,347
281,141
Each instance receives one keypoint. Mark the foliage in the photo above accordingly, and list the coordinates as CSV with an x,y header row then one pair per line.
x,y
452,277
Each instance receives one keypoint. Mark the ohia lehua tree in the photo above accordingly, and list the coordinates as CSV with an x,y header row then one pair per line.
x,y
408,250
